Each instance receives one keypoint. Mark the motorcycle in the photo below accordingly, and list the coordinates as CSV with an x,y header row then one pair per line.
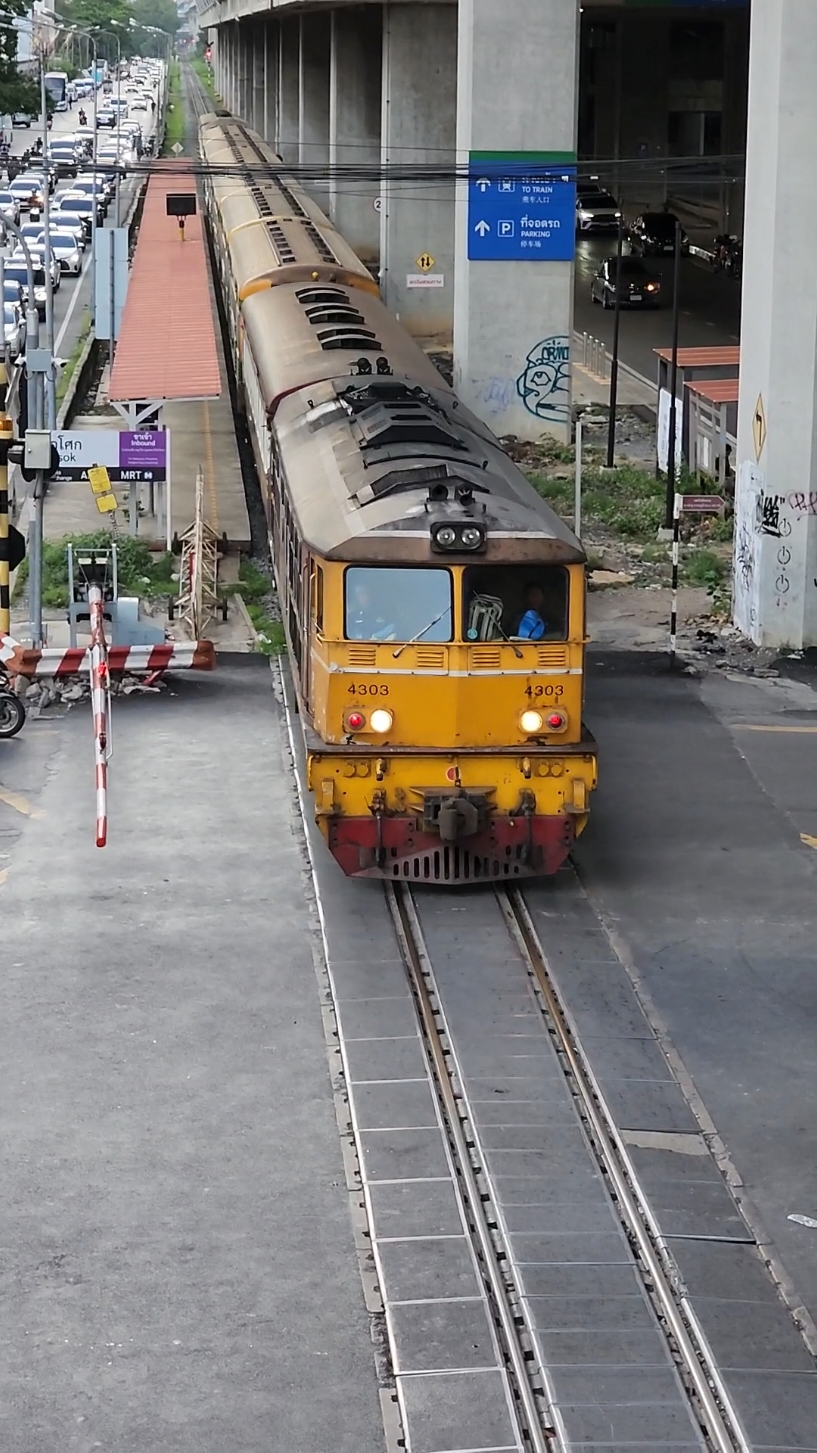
x,y
728,255
12,711
83,119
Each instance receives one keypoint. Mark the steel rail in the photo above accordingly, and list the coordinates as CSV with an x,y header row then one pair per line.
x,y
720,1420
527,1410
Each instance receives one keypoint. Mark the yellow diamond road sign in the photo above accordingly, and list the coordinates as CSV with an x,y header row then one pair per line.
x,y
759,427
425,262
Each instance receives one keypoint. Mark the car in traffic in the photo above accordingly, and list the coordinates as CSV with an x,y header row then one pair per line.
x,y
93,187
13,293
71,224
65,248
14,330
653,234
596,210
28,191
38,256
9,207
66,157
139,103
16,270
76,204
635,285
106,117
21,118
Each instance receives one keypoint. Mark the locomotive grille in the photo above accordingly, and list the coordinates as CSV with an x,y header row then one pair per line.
x,y
362,655
551,656
458,865
430,658
486,658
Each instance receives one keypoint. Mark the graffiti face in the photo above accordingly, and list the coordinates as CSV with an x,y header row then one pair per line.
x,y
544,387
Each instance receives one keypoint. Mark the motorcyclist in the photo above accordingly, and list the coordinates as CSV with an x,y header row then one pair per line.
x,y
83,119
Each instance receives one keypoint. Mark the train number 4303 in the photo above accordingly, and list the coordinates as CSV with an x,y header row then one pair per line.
x,y
544,690
368,690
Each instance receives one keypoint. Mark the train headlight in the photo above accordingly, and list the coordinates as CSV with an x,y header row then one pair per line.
x,y
531,722
381,720
446,537
472,537
355,721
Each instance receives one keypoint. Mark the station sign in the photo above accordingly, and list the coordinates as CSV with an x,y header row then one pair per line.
x,y
521,207
129,456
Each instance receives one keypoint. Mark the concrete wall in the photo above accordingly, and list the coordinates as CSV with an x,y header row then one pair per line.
x,y
354,126
418,130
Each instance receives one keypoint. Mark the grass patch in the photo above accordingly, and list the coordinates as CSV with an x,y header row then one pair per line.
x,y
141,572
255,589
628,500
174,127
205,75
71,366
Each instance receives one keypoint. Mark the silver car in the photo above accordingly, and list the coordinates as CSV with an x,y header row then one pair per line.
x,y
65,248
596,211
9,206
14,329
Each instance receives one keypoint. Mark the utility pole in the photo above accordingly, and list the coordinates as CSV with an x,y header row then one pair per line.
x,y
51,383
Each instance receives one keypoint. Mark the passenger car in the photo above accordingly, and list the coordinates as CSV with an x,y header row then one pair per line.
x,y
596,210
654,233
441,745
14,329
28,190
9,206
106,117
638,287
76,204
66,249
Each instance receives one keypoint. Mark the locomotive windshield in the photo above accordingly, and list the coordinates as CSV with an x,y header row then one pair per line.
x,y
515,602
385,603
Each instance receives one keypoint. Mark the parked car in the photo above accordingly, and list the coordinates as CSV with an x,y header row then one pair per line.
x,y
654,233
14,330
66,249
596,210
636,285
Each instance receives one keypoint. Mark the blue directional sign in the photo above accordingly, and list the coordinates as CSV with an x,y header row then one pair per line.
x,y
521,208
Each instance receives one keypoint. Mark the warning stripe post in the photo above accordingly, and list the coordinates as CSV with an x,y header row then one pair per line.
x,y
152,661
101,707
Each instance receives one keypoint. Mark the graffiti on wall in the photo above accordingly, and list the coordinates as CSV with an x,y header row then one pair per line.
x,y
544,384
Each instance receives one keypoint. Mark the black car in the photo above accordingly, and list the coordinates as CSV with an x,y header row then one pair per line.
x,y
654,233
638,287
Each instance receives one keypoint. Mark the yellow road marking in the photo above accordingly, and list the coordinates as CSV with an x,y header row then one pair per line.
x,y
209,469
742,726
19,803
810,842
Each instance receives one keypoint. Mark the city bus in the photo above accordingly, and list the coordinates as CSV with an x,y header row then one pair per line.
x,y
56,85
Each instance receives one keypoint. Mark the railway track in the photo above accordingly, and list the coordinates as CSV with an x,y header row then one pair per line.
x,y
534,1395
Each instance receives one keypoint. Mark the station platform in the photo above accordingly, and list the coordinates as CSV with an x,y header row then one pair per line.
x,y
169,352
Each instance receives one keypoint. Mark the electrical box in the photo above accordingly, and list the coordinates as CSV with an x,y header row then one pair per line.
x,y
37,449
180,204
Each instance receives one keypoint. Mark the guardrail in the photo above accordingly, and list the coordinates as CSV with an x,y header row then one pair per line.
x,y
593,355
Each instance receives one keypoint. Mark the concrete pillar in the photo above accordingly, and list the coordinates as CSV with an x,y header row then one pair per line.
x,y
271,83
776,497
418,129
733,135
354,125
513,319
245,35
258,61
289,64
313,111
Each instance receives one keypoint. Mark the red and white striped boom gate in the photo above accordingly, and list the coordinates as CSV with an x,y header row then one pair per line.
x,y
151,661
101,707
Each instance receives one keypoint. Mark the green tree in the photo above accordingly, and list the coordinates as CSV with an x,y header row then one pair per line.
x,y
17,91
107,18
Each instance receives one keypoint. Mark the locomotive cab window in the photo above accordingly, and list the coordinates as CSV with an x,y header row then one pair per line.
x,y
515,602
385,603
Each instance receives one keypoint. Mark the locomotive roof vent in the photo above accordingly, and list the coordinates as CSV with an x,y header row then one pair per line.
x,y
404,421
308,296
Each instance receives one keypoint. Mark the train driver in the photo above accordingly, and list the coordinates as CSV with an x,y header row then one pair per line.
x,y
532,626
365,620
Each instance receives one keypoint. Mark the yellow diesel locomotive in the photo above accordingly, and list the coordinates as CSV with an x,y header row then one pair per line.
x,y
433,603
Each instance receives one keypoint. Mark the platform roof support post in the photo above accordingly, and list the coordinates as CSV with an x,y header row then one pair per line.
x,y
271,75
354,125
775,599
418,129
513,283
313,105
289,66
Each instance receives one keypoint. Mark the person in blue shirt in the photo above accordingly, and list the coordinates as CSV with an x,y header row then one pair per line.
x,y
532,626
